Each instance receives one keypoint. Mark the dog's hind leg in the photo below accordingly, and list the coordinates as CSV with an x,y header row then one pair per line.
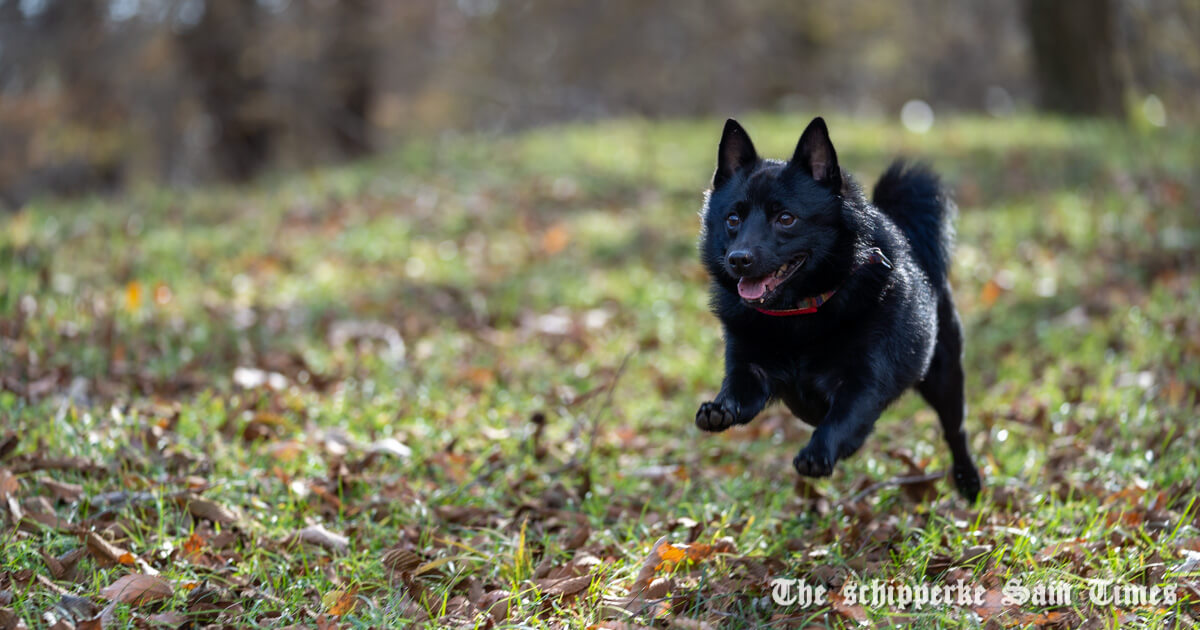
x,y
942,388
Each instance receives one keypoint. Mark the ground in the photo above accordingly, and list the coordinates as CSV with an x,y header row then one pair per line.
x,y
455,386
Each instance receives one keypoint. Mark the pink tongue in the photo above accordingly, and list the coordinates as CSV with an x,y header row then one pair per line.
x,y
752,288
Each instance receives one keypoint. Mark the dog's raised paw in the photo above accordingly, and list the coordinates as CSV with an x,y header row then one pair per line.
x,y
810,462
713,416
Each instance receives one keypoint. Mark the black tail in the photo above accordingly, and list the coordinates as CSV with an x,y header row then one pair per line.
x,y
913,197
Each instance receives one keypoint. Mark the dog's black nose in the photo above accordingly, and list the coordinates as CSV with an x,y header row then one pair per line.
x,y
741,260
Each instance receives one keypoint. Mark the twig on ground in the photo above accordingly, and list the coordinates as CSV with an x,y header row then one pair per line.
x,y
894,481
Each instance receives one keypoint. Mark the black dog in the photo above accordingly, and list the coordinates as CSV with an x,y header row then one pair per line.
x,y
830,303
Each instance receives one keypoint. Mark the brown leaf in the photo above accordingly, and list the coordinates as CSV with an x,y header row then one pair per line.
x,y
543,568
649,566
993,604
137,589
1063,550
63,567
8,444
565,586
496,604
971,554
658,588
75,608
398,559
555,239
341,602
8,484
578,537
208,509
9,620
105,552
463,514
30,462
62,490
318,536
169,618
937,564
853,612
39,510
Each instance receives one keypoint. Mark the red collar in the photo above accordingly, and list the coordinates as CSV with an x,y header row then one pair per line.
x,y
810,304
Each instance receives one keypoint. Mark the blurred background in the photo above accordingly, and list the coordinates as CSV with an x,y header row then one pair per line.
x,y
96,95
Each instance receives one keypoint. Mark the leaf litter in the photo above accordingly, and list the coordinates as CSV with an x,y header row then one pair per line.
x,y
255,478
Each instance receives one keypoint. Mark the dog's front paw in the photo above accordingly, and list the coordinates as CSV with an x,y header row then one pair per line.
x,y
716,416
813,462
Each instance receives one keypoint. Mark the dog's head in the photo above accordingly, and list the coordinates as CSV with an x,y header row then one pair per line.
x,y
771,226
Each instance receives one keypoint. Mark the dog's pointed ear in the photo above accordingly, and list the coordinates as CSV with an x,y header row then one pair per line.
x,y
734,153
815,155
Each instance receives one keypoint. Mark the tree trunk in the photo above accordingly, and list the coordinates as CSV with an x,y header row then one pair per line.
x,y
351,60
1075,56
217,52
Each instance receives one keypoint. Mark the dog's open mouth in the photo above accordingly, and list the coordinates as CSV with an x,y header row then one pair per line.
x,y
760,289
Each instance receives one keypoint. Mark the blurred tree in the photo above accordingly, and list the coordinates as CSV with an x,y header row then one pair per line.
x,y
1075,56
351,60
220,55
94,92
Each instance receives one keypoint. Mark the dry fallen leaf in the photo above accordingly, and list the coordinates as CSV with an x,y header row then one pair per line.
x,y
74,608
853,612
577,538
207,509
8,444
555,239
105,552
398,559
318,536
341,602
565,586
170,619
990,293
671,555
62,490
993,604
193,545
137,589
653,560
64,567
8,484
10,620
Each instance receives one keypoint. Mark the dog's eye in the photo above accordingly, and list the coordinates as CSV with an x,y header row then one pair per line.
x,y
733,220
786,220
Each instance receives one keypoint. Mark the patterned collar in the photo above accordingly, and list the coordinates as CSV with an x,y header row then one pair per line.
x,y
810,304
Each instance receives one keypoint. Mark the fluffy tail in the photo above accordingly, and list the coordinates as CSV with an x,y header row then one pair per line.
x,y
913,197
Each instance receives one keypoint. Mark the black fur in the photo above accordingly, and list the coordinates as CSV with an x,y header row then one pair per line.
x,y
884,329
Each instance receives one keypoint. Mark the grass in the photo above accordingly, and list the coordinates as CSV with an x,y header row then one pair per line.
x,y
489,352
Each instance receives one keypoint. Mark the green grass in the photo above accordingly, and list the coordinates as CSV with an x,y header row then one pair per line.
x,y
554,272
